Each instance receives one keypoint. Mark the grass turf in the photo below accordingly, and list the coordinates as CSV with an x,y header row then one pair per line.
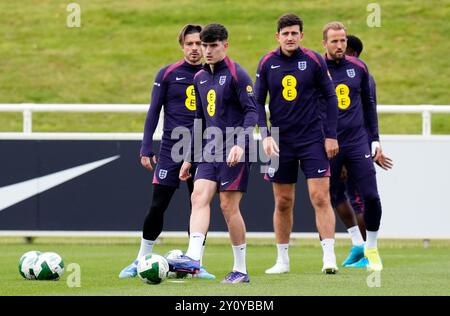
x,y
115,54
410,269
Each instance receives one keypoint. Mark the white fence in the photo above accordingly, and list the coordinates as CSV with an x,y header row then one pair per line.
x,y
28,109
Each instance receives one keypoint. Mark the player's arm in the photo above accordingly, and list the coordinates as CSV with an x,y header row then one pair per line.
x,y
330,107
156,103
247,99
245,93
370,114
384,161
373,88
261,89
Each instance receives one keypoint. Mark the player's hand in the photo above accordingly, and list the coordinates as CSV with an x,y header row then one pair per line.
x,y
385,162
146,162
331,147
376,150
184,171
234,156
270,146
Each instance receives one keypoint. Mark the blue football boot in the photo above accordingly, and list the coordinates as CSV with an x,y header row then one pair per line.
x,y
356,254
129,271
203,274
363,263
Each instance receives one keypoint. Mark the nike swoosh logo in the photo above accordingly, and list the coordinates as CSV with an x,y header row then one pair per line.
x,y
202,82
223,183
367,156
321,170
178,79
18,192
275,67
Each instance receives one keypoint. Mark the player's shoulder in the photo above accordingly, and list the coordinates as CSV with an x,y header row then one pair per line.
x,y
170,69
198,75
314,56
357,62
235,69
242,75
268,56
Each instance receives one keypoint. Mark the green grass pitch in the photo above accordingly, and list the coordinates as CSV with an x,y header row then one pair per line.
x,y
410,269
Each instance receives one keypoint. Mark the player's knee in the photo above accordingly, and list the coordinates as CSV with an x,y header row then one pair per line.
x,y
228,207
320,198
156,208
198,199
373,204
284,202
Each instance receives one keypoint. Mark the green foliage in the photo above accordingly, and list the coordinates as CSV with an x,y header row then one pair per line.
x,y
115,54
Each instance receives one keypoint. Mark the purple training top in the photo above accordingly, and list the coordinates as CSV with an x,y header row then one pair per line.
x,y
173,89
294,84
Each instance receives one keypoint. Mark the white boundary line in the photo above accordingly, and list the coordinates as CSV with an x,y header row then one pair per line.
x,y
177,234
164,234
74,136
138,136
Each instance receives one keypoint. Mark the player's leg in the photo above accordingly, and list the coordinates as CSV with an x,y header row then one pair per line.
x,y
203,273
283,185
325,220
356,253
372,219
348,217
316,168
357,204
229,203
152,227
165,182
339,198
190,188
204,188
283,219
233,182
345,211
362,170
361,224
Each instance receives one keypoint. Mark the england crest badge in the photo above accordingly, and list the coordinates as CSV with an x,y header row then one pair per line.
x,y
162,174
222,80
302,65
351,73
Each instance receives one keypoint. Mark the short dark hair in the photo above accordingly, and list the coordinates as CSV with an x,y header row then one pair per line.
x,y
355,44
188,29
214,32
289,19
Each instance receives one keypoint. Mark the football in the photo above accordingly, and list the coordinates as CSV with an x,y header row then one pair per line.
x,y
152,269
26,263
48,266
